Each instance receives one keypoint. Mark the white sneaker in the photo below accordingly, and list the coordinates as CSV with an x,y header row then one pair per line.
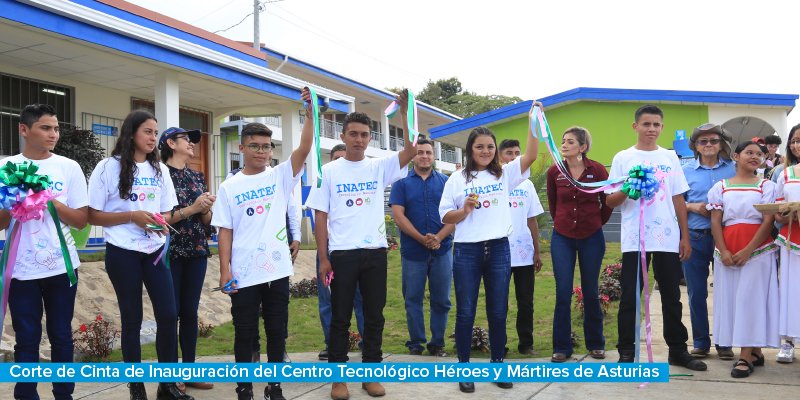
x,y
786,354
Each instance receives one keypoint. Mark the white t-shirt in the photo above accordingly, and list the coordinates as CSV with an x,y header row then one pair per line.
x,y
661,229
352,195
294,213
148,193
524,203
491,219
39,253
254,207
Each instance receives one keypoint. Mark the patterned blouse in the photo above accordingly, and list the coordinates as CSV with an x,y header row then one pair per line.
x,y
192,239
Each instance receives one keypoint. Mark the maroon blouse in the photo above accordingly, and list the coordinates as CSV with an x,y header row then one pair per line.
x,y
576,214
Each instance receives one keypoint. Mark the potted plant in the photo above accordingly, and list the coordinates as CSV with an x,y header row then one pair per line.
x,y
82,146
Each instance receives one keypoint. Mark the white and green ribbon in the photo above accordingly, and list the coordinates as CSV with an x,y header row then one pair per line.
x,y
315,116
411,116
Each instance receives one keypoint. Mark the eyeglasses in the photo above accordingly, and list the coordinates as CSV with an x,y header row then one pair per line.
x,y
255,148
705,142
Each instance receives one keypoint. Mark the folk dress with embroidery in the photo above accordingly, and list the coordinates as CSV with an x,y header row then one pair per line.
x,y
788,190
745,297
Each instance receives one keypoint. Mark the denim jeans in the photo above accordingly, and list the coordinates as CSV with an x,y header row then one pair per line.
x,y
438,272
490,260
128,270
272,298
666,272
324,297
188,274
27,301
365,269
696,270
589,254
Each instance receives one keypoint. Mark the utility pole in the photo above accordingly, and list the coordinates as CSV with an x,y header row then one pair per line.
x,y
256,26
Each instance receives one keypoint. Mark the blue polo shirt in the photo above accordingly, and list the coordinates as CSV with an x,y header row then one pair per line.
x,y
701,178
421,201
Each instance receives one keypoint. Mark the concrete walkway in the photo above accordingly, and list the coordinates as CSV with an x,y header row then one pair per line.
x,y
771,381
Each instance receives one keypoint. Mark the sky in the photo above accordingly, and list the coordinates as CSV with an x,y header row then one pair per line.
x,y
526,48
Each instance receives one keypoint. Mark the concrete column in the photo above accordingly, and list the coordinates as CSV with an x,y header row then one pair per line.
x,y
385,128
459,157
216,146
167,99
437,154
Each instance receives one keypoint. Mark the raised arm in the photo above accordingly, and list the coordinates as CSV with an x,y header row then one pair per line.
x,y
300,154
532,146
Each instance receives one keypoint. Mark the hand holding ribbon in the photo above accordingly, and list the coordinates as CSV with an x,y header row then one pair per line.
x,y
406,104
309,96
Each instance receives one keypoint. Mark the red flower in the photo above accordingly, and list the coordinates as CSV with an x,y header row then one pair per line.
x,y
83,328
99,317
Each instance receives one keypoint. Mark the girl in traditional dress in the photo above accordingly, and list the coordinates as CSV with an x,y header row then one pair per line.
x,y
745,280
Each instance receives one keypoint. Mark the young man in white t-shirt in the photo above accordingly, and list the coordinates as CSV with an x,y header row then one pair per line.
x,y
524,247
255,260
351,238
40,282
666,238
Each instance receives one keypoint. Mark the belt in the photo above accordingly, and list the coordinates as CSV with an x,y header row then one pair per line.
x,y
705,231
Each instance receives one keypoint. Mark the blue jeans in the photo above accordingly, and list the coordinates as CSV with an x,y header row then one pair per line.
x,y
490,260
128,270
438,271
188,274
325,314
27,300
695,270
589,252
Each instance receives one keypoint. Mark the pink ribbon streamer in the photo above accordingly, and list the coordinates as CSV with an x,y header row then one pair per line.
x,y
643,261
11,246
32,206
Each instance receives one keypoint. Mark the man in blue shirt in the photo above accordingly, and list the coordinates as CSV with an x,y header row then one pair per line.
x,y
425,249
712,163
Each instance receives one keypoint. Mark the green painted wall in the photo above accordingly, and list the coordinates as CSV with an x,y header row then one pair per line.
x,y
609,124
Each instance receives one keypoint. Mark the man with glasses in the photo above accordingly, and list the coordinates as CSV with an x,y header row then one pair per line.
x,y
254,258
712,163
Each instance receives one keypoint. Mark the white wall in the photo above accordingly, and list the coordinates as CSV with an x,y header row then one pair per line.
x,y
776,117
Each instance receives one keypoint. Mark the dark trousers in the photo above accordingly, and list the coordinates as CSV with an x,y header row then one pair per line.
x,y
188,274
366,269
667,272
27,301
128,270
524,280
272,298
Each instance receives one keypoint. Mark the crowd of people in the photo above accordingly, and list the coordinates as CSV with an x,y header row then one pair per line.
x,y
479,224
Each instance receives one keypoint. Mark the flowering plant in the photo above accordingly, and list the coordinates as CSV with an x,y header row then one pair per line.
x,y
95,339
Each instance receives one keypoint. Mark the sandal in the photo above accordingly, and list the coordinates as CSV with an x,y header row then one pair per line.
x,y
759,361
742,373
558,358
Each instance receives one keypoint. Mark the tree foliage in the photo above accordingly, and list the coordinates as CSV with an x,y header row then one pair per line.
x,y
449,95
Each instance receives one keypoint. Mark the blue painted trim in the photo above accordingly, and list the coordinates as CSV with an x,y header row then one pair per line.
x,y
589,94
174,32
68,27
348,81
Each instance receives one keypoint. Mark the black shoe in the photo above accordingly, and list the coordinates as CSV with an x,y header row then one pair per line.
x,y
626,357
759,362
437,351
273,391
466,387
742,373
323,355
137,391
169,391
527,351
687,361
504,385
415,351
244,393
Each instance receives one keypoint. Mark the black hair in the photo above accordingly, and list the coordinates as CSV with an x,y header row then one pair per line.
x,y
357,117
424,141
773,139
743,145
648,109
494,166
125,149
255,129
790,158
32,112
508,143
338,147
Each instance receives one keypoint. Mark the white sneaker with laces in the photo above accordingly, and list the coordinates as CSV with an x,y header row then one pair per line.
x,y
786,354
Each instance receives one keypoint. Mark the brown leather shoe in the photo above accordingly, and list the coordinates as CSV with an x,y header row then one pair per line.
x,y
339,391
200,385
373,389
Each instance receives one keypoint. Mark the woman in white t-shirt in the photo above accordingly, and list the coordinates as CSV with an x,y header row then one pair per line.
x,y
476,199
126,190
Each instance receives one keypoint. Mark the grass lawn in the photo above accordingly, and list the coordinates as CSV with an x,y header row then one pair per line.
x,y
305,333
